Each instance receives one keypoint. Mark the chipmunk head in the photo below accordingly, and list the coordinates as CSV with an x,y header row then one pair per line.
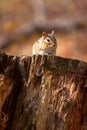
x,y
49,39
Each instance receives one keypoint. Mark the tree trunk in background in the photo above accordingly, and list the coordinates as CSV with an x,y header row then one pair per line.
x,y
42,93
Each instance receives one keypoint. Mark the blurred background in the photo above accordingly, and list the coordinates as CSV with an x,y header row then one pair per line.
x,y
23,21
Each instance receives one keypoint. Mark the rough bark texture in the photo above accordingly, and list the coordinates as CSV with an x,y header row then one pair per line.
x,y
42,93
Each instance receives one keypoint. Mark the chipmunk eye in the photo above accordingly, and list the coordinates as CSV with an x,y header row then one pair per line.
x,y
48,40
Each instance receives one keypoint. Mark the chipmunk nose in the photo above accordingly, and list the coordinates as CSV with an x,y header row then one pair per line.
x,y
54,45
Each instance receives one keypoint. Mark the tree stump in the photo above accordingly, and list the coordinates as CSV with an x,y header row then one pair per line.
x,y
42,93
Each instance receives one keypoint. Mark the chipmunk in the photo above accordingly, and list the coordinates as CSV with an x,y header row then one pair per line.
x,y
46,45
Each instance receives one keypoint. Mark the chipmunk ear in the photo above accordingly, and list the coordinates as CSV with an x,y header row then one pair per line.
x,y
53,32
44,34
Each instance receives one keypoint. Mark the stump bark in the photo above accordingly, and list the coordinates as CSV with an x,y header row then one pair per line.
x,y
42,93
